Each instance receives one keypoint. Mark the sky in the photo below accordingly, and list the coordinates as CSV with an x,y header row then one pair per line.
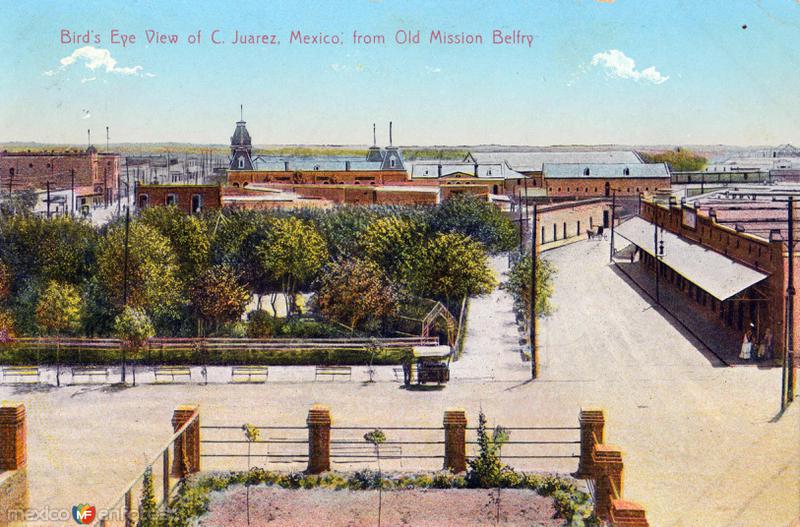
x,y
597,72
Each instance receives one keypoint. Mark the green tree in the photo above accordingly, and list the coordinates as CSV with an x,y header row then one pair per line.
x,y
292,253
153,283
451,266
391,242
478,219
678,160
187,233
485,469
148,510
217,297
58,311
377,438
518,284
356,293
133,327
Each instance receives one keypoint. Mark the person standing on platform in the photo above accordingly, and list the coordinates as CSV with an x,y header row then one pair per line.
x,y
747,345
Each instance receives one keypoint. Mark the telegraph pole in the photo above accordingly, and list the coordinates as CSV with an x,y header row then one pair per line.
x,y
125,278
48,199
519,218
655,255
72,188
533,315
613,218
790,292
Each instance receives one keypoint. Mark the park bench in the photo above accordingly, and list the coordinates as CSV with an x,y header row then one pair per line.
x,y
362,453
332,372
249,374
23,374
90,372
172,372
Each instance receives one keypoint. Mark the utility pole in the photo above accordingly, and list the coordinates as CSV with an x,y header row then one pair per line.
x,y
790,292
613,217
533,314
48,199
519,219
125,278
655,254
72,188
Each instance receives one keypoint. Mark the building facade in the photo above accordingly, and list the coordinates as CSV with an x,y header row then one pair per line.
x,y
590,180
63,170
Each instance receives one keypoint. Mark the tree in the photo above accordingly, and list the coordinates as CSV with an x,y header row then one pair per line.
x,y
5,283
451,266
477,218
217,297
377,438
485,469
148,510
292,253
391,242
153,283
518,284
58,311
342,228
188,235
18,202
356,293
251,435
678,160
134,327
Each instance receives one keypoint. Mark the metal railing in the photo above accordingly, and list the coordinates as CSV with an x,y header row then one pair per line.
x,y
167,474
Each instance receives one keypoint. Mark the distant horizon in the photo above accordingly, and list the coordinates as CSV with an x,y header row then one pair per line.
x,y
587,72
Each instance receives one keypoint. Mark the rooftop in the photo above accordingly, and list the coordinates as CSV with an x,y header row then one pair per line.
x,y
430,169
534,161
605,170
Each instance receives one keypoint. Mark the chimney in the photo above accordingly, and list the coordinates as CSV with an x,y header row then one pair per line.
x,y
374,137
390,133
347,165
439,170
286,166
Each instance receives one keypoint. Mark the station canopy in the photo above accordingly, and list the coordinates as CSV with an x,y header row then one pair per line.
x,y
713,272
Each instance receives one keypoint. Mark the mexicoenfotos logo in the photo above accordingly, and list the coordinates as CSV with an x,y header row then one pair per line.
x,y
83,514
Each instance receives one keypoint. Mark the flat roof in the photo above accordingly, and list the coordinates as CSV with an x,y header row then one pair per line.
x,y
718,275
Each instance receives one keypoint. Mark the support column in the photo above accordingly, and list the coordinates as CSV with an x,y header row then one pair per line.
x,y
319,439
592,422
13,449
627,514
455,440
186,459
607,479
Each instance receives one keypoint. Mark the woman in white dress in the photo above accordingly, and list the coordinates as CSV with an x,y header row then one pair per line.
x,y
747,345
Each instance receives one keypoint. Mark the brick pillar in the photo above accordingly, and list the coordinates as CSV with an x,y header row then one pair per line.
x,y
319,439
189,442
608,472
627,514
455,440
592,422
13,449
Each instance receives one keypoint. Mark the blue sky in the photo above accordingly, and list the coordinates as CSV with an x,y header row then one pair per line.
x,y
696,77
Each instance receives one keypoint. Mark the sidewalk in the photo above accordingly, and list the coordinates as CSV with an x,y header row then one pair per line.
x,y
723,342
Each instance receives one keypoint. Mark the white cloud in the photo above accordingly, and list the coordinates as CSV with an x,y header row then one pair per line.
x,y
618,64
85,114
431,69
88,79
96,59
151,75
48,73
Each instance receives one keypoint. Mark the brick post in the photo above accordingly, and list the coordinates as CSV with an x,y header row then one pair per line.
x,y
455,440
627,514
319,439
607,479
13,449
592,422
188,443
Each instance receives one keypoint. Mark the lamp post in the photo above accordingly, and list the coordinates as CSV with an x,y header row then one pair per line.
x,y
613,217
788,363
125,278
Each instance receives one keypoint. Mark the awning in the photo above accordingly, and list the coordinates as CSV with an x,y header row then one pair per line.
x,y
715,273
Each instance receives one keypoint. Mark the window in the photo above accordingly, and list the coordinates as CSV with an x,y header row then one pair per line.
x,y
565,230
578,229
585,171
391,162
197,203
30,165
626,171
542,240
489,172
241,162
555,232
172,199
143,198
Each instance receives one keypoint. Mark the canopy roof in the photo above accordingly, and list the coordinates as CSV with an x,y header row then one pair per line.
x,y
713,272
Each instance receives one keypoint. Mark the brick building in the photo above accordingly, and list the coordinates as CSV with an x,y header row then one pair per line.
x,y
497,178
32,170
589,180
727,254
188,198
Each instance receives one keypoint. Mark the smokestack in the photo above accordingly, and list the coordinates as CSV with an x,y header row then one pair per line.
x,y
347,165
89,137
390,133
374,137
476,169
286,166
439,170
